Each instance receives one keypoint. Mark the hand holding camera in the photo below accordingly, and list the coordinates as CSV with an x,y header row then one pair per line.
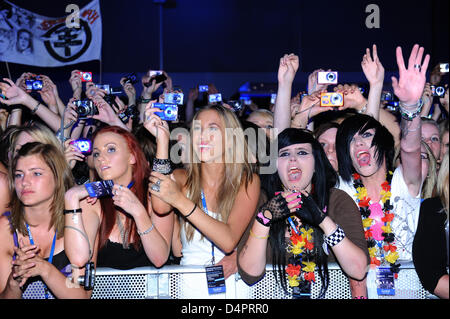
x,y
154,124
72,153
13,94
313,85
352,97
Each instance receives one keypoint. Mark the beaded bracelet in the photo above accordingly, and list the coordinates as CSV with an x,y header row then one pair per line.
x,y
162,166
145,232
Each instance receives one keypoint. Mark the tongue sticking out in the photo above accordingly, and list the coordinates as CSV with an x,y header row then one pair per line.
x,y
364,159
294,175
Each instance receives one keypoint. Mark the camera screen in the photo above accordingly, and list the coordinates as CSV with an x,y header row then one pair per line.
x,y
203,88
215,98
33,85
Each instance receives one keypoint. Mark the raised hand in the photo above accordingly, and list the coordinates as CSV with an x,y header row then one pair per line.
x,y
372,67
13,93
410,85
287,69
313,86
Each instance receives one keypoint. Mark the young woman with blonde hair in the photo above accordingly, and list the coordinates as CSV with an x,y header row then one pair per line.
x,y
216,195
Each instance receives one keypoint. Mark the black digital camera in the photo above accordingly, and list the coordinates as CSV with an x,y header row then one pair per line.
x,y
88,280
85,108
131,78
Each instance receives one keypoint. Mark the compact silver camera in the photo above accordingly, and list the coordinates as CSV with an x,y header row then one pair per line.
x,y
174,98
213,98
327,77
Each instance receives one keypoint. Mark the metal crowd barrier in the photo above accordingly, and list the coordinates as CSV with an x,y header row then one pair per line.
x,y
169,282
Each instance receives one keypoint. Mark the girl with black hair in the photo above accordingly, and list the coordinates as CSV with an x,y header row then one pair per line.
x,y
305,212
388,200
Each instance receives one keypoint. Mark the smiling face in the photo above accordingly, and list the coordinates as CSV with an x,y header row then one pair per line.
x,y
362,153
430,135
112,158
208,137
328,142
34,181
296,166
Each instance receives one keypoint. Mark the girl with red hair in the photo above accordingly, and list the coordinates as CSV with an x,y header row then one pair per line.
x,y
119,231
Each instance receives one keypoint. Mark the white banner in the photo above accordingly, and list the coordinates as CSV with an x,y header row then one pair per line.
x,y
32,39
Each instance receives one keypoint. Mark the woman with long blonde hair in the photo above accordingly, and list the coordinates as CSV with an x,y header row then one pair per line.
x,y
216,195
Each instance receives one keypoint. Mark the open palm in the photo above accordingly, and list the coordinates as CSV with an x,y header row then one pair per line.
x,y
411,83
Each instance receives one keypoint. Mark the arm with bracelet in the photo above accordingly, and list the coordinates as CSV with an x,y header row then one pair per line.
x,y
16,95
409,89
82,221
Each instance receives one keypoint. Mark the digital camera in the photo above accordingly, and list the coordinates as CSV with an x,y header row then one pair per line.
x,y
83,145
203,88
444,67
327,77
438,90
155,75
85,108
109,89
174,98
131,78
169,111
86,76
100,188
34,84
213,98
236,105
334,99
88,280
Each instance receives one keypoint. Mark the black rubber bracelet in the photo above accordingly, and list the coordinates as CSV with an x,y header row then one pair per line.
x,y
72,211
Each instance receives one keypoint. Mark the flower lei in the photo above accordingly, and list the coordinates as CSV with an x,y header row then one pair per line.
x,y
383,251
300,268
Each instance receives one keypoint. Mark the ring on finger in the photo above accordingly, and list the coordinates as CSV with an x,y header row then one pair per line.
x,y
155,188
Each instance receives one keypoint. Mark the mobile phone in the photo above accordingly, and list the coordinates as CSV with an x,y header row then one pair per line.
x,y
169,111
84,145
333,99
86,76
212,98
327,77
100,188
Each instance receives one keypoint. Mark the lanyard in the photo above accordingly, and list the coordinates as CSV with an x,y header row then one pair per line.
x,y
50,258
213,261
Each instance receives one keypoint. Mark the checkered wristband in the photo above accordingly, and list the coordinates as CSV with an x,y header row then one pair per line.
x,y
162,166
336,237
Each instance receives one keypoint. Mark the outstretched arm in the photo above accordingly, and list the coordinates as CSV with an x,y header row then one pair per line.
x,y
409,88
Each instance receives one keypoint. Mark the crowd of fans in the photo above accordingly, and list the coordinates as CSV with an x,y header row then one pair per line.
x,y
332,174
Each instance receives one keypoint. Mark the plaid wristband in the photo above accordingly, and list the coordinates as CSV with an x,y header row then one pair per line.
x,y
336,237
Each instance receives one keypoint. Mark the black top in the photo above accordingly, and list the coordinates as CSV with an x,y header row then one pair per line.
x,y
429,247
113,255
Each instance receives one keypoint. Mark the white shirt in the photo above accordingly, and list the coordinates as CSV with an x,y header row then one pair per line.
x,y
406,212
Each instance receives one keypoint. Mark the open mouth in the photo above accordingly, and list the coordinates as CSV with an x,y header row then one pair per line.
x,y
294,174
363,158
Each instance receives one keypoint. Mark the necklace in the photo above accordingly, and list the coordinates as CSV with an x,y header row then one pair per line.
x,y
301,265
123,233
376,222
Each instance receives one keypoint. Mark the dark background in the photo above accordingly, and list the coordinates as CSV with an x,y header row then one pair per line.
x,y
230,42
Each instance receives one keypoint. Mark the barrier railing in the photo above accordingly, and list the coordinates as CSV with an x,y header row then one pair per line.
x,y
181,282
